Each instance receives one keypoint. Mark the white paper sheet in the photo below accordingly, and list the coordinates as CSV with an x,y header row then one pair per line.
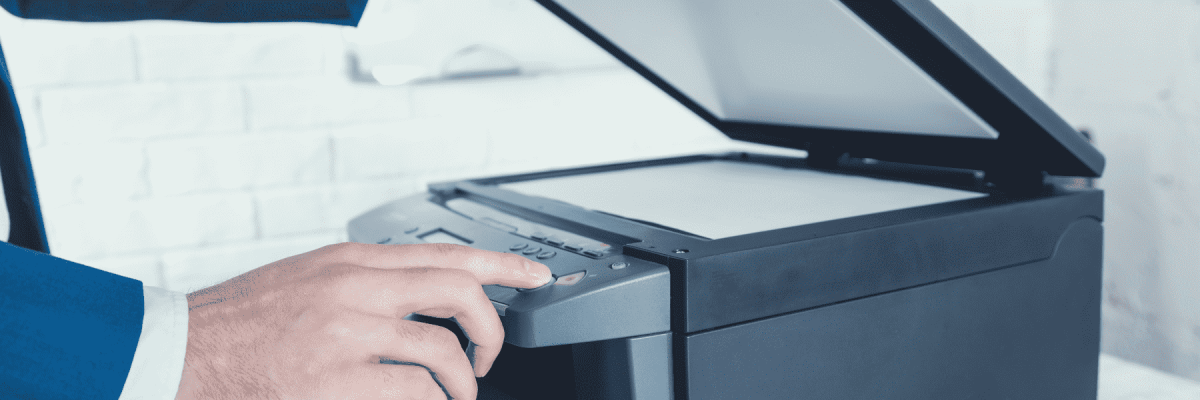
x,y
719,199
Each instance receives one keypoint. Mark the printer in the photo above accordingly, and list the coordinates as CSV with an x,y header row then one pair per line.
x,y
924,249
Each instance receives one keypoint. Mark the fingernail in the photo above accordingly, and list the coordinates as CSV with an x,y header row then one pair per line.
x,y
530,266
483,371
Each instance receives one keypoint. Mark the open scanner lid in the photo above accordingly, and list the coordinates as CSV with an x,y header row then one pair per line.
x,y
892,80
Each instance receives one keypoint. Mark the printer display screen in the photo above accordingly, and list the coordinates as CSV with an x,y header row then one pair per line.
x,y
441,236
719,199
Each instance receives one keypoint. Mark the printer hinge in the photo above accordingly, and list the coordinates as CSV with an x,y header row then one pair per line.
x,y
1016,180
824,156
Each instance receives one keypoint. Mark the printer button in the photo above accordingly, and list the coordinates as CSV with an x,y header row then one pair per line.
x,y
593,253
538,236
568,280
619,265
546,254
532,250
517,246
573,247
555,242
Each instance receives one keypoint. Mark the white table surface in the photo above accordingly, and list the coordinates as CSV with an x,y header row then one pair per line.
x,y
1121,379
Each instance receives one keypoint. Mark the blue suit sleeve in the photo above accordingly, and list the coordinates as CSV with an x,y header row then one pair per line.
x,y
340,12
67,331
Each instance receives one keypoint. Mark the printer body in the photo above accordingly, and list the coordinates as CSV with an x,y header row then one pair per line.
x,y
924,247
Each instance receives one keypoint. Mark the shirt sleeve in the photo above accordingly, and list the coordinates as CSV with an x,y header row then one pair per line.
x,y
339,12
158,360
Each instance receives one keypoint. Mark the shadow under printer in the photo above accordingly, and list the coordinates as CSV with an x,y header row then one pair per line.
x,y
918,251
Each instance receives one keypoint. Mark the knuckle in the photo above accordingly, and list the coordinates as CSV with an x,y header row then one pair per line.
x,y
442,338
340,247
345,282
435,337
345,250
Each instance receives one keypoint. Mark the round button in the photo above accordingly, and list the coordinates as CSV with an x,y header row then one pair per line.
x,y
568,280
532,250
546,254
618,265
517,246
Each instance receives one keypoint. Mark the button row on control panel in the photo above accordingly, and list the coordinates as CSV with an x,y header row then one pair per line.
x,y
532,250
558,243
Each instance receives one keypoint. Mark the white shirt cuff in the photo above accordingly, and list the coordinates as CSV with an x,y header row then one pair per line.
x,y
158,360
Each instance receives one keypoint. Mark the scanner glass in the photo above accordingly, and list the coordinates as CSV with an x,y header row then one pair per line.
x,y
719,199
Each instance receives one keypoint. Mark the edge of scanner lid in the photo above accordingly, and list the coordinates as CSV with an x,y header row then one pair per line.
x,y
893,80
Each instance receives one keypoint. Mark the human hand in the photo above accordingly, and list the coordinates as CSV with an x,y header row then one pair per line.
x,y
316,325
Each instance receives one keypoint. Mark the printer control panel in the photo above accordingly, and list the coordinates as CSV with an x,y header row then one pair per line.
x,y
550,238
589,275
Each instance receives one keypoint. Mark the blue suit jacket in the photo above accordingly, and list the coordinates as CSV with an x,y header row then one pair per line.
x,y
68,331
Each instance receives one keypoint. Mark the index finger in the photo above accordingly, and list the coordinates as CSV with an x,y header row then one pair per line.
x,y
489,267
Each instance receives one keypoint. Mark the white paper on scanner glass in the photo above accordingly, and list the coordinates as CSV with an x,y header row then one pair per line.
x,y
719,199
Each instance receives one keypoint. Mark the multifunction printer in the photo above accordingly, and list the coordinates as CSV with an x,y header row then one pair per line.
x,y
925,248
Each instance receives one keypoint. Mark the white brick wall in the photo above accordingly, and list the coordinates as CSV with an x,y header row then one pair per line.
x,y
103,113
304,103
1128,70
183,154
237,162
90,172
95,57
221,54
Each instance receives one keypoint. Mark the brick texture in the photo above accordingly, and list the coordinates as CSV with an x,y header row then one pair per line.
x,y
101,229
325,209
78,57
141,111
322,103
75,174
199,164
219,54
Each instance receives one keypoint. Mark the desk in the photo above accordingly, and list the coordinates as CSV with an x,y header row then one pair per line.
x,y
1121,379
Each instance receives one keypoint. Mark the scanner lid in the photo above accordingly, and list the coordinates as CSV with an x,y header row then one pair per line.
x,y
892,80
